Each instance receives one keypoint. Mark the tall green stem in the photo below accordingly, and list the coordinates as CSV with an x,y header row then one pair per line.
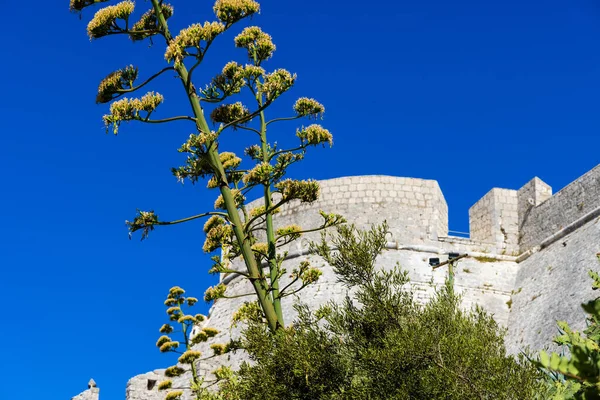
x,y
258,281
272,256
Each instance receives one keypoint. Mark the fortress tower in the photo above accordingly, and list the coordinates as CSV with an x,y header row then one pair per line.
x,y
529,253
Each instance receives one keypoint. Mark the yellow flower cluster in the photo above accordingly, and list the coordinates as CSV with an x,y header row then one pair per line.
x,y
223,372
166,328
189,357
187,319
238,198
191,301
214,293
147,25
174,371
290,230
227,113
213,222
276,83
218,349
261,248
229,160
258,43
211,332
231,11
230,80
129,109
192,37
306,107
305,191
104,20
249,311
199,337
115,81
261,173
168,346
314,135
164,385
174,395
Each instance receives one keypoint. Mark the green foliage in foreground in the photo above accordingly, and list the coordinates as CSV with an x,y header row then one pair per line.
x,y
380,343
577,375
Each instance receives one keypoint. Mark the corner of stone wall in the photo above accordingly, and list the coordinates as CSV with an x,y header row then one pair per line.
x,y
92,392
494,220
531,195
438,226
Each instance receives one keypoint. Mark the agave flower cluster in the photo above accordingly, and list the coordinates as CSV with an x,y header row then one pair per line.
x,y
148,25
105,19
115,83
259,44
188,357
129,109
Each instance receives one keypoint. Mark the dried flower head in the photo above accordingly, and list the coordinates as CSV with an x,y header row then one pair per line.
x,y
231,11
189,357
78,5
314,135
166,328
305,191
306,107
174,395
144,220
238,198
227,113
192,37
174,371
276,83
105,19
148,25
115,82
214,293
164,385
259,44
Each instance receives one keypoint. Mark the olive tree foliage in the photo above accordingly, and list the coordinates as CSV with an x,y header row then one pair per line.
x,y
380,343
231,227
575,374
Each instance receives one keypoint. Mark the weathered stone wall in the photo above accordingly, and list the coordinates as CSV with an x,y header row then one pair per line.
x,y
494,220
557,236
550,286
92,392
542,220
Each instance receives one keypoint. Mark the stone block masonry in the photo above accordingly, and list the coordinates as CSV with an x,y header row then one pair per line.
x,y
529,253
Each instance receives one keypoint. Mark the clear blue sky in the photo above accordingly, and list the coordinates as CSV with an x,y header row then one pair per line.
x,y
474,94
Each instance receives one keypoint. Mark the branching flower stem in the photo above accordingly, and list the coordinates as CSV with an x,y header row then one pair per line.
x,y
258,282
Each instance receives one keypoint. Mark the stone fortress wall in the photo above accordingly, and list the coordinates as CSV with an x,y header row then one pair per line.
x,y
529,253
